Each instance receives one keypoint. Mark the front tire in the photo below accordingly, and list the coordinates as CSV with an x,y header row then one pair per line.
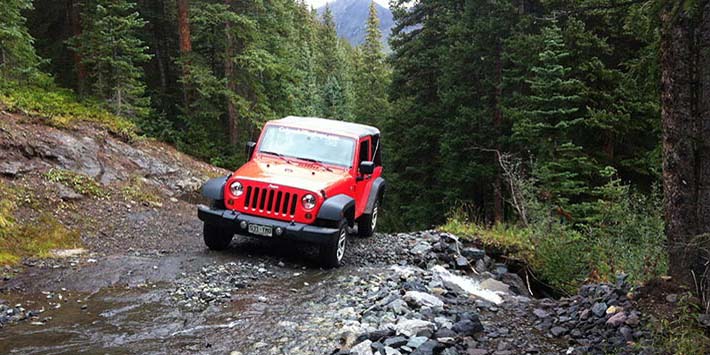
x,y
368,222
216,238
332,253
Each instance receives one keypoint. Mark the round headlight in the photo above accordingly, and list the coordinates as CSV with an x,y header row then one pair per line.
x,y
308,201
236,188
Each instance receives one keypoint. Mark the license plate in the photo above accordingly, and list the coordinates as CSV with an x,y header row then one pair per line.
x,y
260,230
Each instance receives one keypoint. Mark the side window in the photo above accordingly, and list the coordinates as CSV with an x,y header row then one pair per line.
x,y
377,151
364,150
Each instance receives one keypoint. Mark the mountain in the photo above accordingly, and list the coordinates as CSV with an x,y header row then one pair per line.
x,y
351,19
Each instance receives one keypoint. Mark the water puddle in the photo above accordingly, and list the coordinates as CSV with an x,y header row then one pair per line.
x,y
126,306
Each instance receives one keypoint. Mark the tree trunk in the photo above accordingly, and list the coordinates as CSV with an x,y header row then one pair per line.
x,y
183,7
686,156
231,87
498,213
73,14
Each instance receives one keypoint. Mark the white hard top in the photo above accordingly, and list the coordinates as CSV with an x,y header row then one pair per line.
x,y
326,125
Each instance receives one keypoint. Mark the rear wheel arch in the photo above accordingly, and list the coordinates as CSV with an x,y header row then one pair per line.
x,y
377,192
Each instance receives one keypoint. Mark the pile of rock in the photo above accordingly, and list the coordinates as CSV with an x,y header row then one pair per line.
x,y
414,311
16,313
439,248
216,283
600,319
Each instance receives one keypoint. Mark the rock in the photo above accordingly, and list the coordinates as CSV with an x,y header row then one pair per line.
x,y
421,248
500,269
450,351
67,194
468,326
672,298
633,319
515,282
415,342
444,333
363,348
617,319
411,327
476,352
443,322
464,285
703,319
422,299
395,342
613,310
391,351
599,309
480,266
627,333
473,253
540,313
461,261
495,286
558,331
398,306
427,348
584,315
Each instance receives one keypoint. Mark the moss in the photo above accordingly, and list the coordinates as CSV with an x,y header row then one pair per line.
x,y
137,190
78,182
35,238
61,108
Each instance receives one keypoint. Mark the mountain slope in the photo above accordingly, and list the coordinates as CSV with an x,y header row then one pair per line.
x,y
351,19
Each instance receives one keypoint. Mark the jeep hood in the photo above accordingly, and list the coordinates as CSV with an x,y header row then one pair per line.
x,y
298,175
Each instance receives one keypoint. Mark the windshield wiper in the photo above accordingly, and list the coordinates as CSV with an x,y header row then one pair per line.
x,y
318,162
281,156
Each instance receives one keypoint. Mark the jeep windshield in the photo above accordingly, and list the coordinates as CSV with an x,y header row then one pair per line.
x,y
308,145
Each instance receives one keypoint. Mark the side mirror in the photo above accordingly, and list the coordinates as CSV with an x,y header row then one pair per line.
x,y
250,149
367,167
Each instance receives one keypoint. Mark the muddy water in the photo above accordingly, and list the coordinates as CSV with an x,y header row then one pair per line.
x,y
128,308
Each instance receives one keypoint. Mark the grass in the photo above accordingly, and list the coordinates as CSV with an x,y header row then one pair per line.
x,y
137,190
80,183
680,333
35,238
507,239
61,108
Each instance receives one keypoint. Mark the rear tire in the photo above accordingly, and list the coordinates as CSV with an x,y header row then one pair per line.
x,y
368,222
216,238
333,252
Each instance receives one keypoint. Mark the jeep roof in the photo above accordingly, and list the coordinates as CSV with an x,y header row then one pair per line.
x,y
331,126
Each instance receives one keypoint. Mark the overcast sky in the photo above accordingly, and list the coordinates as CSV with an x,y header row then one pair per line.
x,y
319,3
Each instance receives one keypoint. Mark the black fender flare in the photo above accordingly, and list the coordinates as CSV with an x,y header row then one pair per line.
x,y
213,189
335,208
377,191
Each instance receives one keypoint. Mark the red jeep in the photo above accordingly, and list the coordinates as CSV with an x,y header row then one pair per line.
x,y
307,179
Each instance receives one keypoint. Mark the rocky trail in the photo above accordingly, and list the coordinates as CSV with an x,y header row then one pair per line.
x,y
144,282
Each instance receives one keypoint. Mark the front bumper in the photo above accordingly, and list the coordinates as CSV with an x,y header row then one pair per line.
x,y
293,231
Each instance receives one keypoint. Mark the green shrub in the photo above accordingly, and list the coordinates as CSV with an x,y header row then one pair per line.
x,y
78,182
622,231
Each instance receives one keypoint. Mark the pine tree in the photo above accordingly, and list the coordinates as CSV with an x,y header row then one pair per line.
x,y
112,51
17,54
333,70
546,121
372,76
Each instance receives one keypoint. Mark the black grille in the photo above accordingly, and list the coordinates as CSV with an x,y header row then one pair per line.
x,y
270,201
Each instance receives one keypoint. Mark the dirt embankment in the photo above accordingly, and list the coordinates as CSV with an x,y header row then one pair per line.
x,y
116,194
